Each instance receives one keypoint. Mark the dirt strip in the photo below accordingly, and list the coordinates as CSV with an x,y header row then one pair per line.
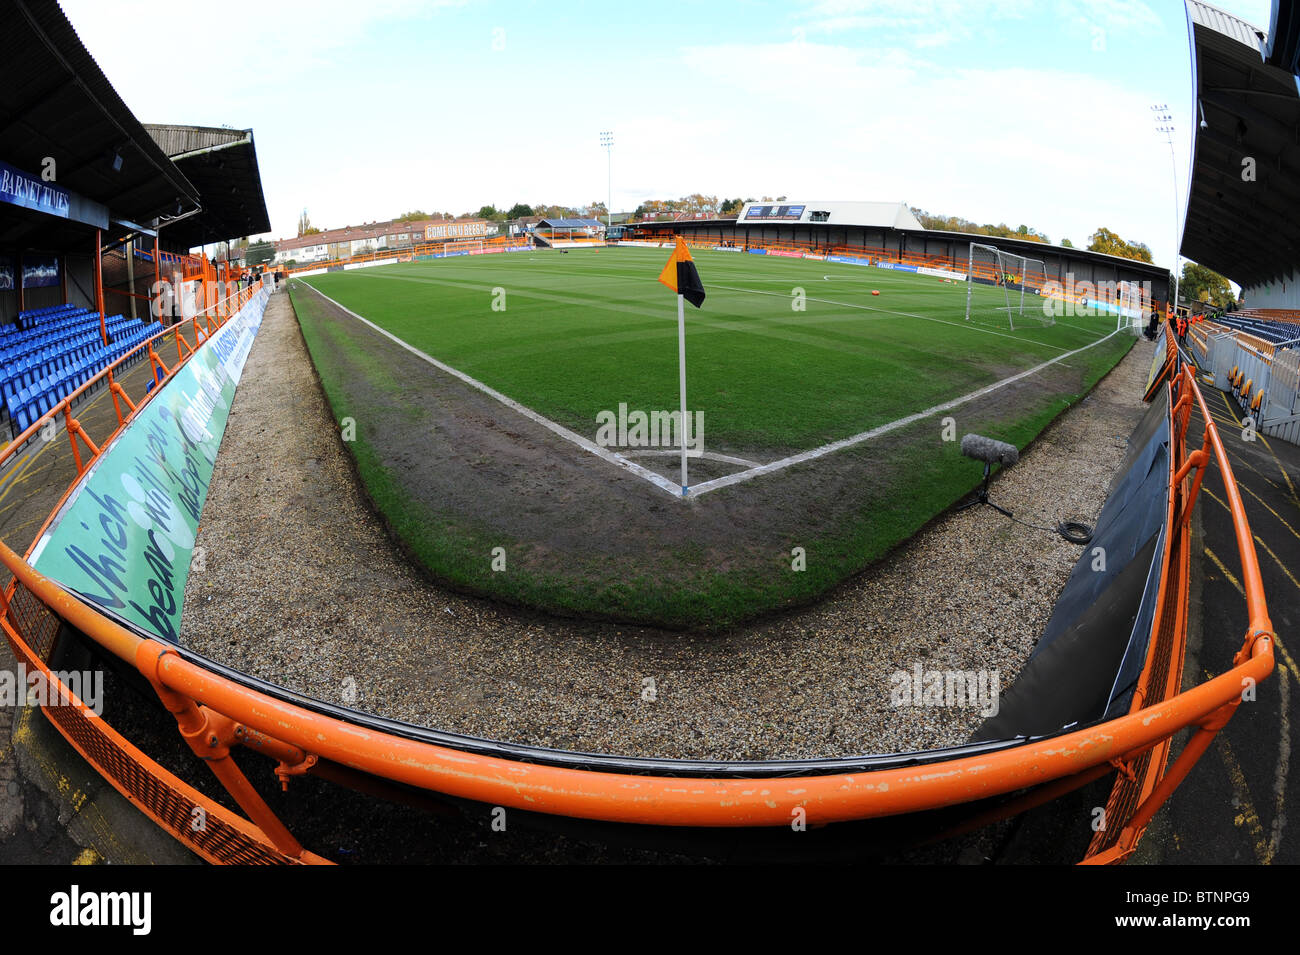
x,y
300,585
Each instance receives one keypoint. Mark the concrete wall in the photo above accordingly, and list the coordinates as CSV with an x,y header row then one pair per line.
x,y
77,266
1284,293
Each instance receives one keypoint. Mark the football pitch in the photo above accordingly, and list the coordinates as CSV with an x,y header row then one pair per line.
x,y
795,369
577,334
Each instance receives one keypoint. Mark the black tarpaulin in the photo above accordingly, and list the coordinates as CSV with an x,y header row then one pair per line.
x,y
1093,648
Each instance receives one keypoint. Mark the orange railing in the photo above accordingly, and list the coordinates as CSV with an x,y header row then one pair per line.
x,y
215,712
213,316
403,256
1271,314
409,253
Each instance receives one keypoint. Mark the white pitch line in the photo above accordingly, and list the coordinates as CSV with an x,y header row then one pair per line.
x,y
890,311
883,429
587,445
705,455
756,471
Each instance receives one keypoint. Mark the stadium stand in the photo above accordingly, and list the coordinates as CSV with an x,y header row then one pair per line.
x,y
217,709
51,351
1276,331
1237,221
888,237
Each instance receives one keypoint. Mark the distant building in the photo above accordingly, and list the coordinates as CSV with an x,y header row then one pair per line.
x,y
387,236
524,224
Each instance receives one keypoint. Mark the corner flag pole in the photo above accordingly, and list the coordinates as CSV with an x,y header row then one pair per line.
x,y
680,276
681,374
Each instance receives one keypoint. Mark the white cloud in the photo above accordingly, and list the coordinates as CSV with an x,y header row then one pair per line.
x,y
927,22
866,117
1061,151
1128,16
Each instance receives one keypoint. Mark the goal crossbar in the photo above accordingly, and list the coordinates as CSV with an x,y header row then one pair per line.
x,y
989,264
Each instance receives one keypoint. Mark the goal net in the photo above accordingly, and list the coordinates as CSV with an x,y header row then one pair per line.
x,y
1003,288
1128,303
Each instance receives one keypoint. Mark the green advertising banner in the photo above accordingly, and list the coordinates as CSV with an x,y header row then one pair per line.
x,y
124,538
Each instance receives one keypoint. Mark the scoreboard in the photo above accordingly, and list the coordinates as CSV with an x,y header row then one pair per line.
x,y
775,213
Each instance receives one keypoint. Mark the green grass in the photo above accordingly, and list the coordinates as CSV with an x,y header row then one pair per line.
x,y
583,332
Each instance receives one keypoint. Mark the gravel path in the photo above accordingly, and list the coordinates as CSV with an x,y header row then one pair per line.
x,y
299,585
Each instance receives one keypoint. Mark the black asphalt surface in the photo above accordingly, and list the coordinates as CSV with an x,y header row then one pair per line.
x,y
1233,808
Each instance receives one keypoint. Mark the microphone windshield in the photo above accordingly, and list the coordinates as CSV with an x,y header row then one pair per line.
x,y
989,451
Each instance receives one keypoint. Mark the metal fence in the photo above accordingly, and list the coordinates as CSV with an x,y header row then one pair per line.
x,y
216,711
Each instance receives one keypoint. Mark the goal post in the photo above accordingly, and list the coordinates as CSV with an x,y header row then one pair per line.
x,y
988,269
1128,305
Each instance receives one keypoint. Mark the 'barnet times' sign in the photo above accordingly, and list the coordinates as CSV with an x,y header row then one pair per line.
x,y
31,192
124,538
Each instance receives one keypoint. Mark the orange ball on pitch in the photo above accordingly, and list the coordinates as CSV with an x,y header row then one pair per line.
x,y
875,291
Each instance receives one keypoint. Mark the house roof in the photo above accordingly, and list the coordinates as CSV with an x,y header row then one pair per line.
x,y
56,102
222,163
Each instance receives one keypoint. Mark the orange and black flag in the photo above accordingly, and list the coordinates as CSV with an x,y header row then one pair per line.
x,y
680,275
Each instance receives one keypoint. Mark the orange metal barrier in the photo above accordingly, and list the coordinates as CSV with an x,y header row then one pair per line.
x,y
1262,347
1271,314
214,713
919,259
410,252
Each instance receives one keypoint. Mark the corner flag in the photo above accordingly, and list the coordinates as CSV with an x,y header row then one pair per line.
x,y
680,275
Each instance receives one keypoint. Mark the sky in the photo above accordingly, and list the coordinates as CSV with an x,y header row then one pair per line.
x,y
1034,112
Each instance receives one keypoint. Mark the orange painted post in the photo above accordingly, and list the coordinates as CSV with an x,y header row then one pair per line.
x,y
119,391
114,389
72,436
157,281
74,429
155,363
99,285
207,744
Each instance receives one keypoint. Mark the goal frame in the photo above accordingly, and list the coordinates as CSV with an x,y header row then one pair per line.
x,y
1128,295
1002,258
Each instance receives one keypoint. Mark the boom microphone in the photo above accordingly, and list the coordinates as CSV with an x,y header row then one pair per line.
x,y
989,451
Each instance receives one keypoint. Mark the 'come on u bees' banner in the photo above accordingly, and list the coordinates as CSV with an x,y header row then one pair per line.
x,y
124,538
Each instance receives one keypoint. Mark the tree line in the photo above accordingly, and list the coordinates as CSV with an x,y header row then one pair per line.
x,y
1197,283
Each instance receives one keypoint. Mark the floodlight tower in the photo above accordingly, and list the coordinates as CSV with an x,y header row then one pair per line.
x,y
1165,127
607,140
